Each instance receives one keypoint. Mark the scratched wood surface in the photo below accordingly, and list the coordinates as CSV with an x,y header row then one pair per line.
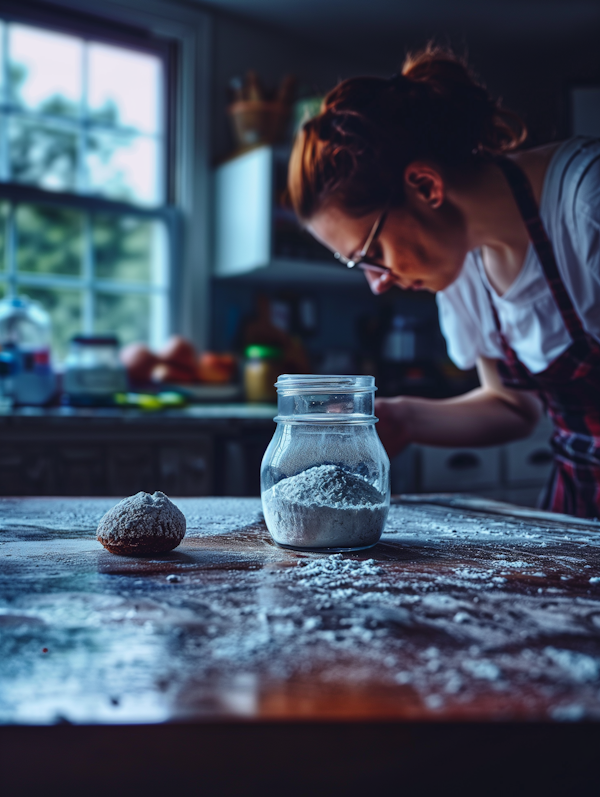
x,y
466,609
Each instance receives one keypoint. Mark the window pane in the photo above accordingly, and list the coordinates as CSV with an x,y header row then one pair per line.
x,y
124,88
128,248
42,154
127,316
49,240
64,307
2,95
44,70
123,167
3,218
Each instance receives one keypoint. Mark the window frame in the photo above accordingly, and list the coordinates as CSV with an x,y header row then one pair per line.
x,y
182,39
87,281
90,28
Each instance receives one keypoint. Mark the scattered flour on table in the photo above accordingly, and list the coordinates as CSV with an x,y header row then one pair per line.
x,y
325,507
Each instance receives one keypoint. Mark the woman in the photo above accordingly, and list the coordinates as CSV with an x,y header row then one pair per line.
x,y
416,179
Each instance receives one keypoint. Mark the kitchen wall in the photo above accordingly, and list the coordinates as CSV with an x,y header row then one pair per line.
x,y
532,77
239,45
530,72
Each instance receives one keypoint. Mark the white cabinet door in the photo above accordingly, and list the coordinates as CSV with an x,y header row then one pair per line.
x,y
243,211
529,462
459,469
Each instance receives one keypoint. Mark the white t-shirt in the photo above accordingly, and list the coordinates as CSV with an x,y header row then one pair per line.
x,y
529,317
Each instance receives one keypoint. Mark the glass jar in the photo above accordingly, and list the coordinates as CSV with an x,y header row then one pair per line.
x,y
325,477
93,371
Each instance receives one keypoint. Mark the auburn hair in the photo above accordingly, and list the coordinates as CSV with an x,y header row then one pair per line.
x,y
368,130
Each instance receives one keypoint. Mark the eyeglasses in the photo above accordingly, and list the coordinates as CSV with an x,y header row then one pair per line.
x,y
360,259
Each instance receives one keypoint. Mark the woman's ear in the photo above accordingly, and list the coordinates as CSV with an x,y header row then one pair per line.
x,y
424,184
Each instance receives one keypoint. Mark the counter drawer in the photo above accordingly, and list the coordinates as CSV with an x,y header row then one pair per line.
x,y
187,470
26,470
459,469
528,461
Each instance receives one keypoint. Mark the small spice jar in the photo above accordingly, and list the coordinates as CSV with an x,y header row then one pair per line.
x,y
260,372
325,477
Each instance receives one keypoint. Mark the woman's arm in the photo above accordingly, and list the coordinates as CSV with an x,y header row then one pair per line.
x,y
486,416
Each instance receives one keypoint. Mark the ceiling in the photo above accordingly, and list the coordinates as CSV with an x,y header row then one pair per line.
x,y
372,23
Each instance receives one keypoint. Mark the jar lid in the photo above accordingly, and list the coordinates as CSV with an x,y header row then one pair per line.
x,y
95,340
324,383
260,352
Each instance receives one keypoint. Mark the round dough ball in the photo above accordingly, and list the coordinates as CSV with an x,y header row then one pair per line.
x,y
141,525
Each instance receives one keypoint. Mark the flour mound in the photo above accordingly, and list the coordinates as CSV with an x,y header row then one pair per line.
x,y
328,485
142,524
325,507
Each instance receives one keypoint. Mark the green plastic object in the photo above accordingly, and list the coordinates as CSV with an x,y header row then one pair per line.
x,y
150,401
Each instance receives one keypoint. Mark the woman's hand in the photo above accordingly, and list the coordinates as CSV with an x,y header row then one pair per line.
x,y
393,424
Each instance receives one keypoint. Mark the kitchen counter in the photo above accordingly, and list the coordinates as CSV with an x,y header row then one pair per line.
x,y
193,412
467,610
203,449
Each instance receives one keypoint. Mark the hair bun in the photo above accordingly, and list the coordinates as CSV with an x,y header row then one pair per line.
x,y
370,128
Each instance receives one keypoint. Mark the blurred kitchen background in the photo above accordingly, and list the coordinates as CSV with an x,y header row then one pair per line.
x,y
153,282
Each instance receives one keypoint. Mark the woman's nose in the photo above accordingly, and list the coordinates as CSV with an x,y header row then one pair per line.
x,y
379,283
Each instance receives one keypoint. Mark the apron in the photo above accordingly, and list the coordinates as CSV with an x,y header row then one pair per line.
x,y
569,388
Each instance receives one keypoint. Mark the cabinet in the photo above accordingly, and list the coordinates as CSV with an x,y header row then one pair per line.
x,y
256,236
218,452
460,469
118,453
514,472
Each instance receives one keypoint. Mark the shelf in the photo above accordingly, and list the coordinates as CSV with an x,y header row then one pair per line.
x,y
255,236
295,272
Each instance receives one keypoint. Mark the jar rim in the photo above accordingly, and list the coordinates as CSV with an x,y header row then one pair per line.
x,y
328,419
324,383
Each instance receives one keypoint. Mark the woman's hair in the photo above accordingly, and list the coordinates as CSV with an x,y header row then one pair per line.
x,y
369,129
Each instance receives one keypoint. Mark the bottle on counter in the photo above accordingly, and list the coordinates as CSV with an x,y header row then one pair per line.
x,y
261,369
25,331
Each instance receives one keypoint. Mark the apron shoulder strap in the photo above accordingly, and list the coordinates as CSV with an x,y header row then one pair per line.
x,y
528,207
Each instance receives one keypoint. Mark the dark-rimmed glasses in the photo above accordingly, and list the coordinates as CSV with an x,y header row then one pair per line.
x,y
359,261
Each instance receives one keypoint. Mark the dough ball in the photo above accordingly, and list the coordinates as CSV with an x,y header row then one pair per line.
x,y
141,525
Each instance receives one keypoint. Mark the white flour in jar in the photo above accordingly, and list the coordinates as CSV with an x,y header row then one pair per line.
x,y
325,507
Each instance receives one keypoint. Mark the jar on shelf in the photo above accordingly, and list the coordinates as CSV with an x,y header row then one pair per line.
x,y
325,477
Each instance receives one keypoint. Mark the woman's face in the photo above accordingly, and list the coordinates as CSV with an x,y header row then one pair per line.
x,y
423,244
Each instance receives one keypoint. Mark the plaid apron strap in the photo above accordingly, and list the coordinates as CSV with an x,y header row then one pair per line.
x,y
523,194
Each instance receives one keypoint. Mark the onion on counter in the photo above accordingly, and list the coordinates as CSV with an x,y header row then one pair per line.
x,y
179,352
177,364
171,374
138,361
216,368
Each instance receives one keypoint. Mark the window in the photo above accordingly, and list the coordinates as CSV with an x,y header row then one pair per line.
x,y
84,225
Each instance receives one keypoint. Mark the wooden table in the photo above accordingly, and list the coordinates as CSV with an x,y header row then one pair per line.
x,y
467,610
